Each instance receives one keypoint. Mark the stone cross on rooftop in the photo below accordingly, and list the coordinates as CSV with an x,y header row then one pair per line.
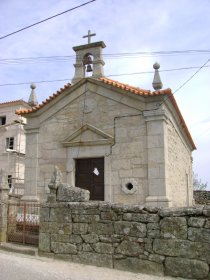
x,y
89,36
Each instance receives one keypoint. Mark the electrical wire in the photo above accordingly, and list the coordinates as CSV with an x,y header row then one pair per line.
x,y
41,21
66,58
112,75
187,81
204,65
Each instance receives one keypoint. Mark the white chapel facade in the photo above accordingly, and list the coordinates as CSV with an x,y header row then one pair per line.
x,y
122,143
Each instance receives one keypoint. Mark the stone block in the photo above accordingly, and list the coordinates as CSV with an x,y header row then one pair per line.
x,y
139,172
206,210
153,226
65,228
207,224
182,248
87,248
80,228
156,258
50,227
144,218
198,234
181,211
66,193
44,214
196,222
121,164
129,248
63,248
103,248
44,242
85,218
60,215
185,268
153,233
130,228
139,265
125,173
174,227
60,238
90,238
75,239
109,216
101,228
91,211
96,259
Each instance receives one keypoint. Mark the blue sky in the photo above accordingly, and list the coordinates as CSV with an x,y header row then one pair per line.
x,y
126,26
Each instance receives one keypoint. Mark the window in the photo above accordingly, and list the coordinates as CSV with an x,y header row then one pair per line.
x,y
10,143
2,120
9,179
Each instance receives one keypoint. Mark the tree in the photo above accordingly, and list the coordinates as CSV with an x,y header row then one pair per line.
x,y
197,184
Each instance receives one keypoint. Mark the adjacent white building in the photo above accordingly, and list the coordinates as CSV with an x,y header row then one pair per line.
x,y
12,143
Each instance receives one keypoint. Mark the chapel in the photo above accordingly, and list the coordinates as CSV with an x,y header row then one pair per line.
x,y
123,143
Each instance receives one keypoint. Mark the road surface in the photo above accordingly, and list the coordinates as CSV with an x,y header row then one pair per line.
x,y
14,266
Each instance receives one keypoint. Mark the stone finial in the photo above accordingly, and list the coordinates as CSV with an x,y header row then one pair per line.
x,y
157,83
62,192
32,101
56,179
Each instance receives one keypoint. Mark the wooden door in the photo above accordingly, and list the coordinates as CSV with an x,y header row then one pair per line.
x,y
87,179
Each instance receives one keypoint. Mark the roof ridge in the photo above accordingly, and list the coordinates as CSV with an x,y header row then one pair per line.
x,y
47,100
133,89
14,101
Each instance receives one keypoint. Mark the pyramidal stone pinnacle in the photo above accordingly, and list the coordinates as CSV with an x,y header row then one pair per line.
x,y
32,101
157,83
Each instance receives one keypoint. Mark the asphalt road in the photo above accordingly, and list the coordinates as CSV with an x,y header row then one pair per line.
x,y
14,266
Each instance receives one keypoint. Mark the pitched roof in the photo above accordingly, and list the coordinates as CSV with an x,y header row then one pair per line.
x,y
14,102
113,83
126,87
135,90
37,107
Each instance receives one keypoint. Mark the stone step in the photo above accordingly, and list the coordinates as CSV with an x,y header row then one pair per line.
x,y
19,248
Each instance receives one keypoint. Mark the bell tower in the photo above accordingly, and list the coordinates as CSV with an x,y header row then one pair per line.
x,y
88,59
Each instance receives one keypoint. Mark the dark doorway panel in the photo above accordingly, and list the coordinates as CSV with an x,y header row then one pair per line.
x,y
86,179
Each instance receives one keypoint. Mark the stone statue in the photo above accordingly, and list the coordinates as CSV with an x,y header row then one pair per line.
x,y
62,192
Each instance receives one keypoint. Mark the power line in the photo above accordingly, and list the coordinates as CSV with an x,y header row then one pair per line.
x,y
45,59
113,75
29,26
167,97
204,65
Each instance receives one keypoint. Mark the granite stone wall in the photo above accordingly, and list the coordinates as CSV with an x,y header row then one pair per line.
x,y
172,242
202,197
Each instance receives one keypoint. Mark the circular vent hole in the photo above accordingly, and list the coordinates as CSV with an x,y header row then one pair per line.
x,y
129,186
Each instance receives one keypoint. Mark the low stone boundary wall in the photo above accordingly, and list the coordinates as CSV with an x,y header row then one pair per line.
x,y
202,197
173,242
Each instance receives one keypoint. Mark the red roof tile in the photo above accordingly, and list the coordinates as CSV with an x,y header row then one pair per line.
x,y
37,107
132,89
13,102
126,87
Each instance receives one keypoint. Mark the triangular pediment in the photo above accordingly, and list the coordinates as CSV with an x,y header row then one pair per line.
x,y
88,135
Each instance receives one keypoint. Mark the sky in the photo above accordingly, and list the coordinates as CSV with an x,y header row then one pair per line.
x,y
142,29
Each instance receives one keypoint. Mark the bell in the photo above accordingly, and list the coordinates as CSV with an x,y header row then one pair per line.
x,y
89,68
